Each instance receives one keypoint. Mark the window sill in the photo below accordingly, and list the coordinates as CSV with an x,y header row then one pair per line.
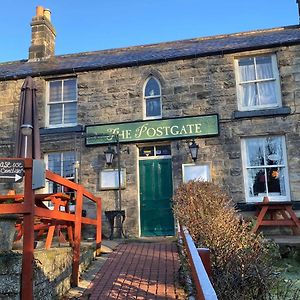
x,y
152,118
243,206
282,111
45,131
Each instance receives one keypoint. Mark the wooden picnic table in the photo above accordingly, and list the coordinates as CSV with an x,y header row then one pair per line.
x,y
60,202
13,198
278,213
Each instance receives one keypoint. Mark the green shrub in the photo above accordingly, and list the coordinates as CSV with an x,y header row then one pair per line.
x,y
241,261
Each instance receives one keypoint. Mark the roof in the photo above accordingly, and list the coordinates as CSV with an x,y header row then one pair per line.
x,y
149,54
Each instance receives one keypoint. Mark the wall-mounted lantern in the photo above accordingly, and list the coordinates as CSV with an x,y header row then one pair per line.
x,y
194,150
109,155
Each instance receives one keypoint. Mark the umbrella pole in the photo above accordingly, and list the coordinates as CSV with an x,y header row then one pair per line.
x,y
28,242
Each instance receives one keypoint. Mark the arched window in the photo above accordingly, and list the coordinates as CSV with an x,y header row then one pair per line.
x,y
152,99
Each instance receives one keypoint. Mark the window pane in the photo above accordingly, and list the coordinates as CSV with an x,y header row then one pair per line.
x,y
147,151
257,182
68,164
275,179
153,107
55,114
255,151
163,150
70,113
55,91
264,67
152,88
54,162
273,150
267,93
70,90
246,68
249,94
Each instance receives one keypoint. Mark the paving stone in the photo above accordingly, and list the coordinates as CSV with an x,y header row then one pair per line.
x,y
138,270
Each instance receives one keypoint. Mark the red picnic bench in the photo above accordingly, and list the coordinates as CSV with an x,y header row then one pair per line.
x,y
46,226
272,213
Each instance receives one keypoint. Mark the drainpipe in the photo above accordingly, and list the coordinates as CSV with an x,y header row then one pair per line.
x,y
119,202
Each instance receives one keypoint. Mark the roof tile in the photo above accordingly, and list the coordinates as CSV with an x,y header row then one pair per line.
x,y
144,54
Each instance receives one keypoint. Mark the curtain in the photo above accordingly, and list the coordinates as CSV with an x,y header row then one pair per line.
x,y
266,90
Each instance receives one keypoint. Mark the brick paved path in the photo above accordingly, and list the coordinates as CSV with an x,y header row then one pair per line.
x,y
138,271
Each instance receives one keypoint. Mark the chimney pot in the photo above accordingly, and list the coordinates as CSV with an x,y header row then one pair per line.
x,y
39,11
47,14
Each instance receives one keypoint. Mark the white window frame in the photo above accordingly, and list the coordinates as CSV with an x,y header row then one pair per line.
x,y
206,167
276,79
59,102
259,198
145,117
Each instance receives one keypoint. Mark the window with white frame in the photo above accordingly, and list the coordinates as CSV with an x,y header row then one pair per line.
x,y
62,103
258,85
265,168
152,99
63,164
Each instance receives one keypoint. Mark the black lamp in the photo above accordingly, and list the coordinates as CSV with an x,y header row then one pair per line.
x,y
109,155
194,150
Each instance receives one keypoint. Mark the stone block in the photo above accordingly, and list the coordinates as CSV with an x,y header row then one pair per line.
x,y
181,89
11,261
234,155
9,284
235,171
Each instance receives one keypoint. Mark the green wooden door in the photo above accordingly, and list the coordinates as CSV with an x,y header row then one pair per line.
x,y
155,197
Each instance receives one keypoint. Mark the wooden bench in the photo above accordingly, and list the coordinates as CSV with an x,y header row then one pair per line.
x,y
50,226
280,214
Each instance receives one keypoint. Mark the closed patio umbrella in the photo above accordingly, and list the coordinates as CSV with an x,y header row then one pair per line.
x,y
28,136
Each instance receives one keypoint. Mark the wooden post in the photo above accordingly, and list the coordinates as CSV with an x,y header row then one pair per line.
x,y
204,254
51,229
77,236
98,226
28,242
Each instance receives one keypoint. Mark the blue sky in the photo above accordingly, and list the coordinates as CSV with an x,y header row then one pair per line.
x,y
105,24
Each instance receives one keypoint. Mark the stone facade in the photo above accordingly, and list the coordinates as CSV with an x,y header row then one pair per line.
x,y
190,87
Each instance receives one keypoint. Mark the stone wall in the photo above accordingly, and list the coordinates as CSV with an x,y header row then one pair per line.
x,y
189,87
52,272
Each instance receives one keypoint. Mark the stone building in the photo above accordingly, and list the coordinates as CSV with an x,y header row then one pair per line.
x,y
234,96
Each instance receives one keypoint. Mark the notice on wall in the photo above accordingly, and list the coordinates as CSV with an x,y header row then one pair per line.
x,y
109,179
11,170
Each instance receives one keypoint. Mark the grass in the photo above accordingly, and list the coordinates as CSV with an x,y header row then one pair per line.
x,y
288,267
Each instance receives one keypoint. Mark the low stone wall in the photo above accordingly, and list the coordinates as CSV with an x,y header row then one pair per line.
x,y
52,272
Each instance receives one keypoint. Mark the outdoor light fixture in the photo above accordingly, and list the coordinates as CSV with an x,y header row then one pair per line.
x,y
109,155
26,130
194,150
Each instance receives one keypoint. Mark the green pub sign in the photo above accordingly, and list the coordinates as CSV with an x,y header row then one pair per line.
x,y
165,129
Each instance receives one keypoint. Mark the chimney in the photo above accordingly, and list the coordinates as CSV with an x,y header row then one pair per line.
x,y
42,35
